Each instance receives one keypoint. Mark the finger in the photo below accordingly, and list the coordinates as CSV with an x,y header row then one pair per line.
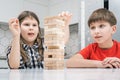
x,y
11,21
108,66
61,14
16,20
67,13
114,60
119,64
106,61
115,65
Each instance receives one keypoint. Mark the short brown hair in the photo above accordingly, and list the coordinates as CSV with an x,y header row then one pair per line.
x,y
102,14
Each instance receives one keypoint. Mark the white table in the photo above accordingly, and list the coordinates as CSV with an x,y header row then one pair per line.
x,y
66,74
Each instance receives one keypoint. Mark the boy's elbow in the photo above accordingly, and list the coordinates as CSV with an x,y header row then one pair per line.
x,y
68,63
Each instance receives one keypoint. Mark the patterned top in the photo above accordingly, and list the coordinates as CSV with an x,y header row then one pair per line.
x,y
33,55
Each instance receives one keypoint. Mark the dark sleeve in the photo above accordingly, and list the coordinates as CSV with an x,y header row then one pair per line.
x,y
7,54
22,66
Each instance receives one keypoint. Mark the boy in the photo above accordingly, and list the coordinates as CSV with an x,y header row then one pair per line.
x,y
105,52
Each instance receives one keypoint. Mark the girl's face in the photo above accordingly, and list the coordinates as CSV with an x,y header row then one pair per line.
x,y
102,31
29,30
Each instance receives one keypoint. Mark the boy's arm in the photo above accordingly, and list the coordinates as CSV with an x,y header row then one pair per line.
x,y
77,61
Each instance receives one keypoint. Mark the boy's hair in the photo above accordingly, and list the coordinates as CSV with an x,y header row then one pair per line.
x,y
21,17
102,14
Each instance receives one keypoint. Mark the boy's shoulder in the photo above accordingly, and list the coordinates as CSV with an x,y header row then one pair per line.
x,y
116,42
92,45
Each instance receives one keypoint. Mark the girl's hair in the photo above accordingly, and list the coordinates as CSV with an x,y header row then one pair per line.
x,y
102,14
21,17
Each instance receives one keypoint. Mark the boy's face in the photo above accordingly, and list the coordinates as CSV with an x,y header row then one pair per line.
x,y
29,30
101,31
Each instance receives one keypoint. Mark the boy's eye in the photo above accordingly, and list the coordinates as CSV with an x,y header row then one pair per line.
x,y
102,26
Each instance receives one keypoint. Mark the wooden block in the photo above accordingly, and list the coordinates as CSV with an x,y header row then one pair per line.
x,y
54,31
53,64
54,47
46,26
55,50
53,55
54,37
54,20
54,42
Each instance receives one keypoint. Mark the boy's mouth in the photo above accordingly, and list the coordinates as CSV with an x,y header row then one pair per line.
x,y
98,36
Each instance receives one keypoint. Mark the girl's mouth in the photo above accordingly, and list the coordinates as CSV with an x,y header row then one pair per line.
x,y
30,34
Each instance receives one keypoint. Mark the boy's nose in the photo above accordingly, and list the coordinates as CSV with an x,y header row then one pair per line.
x,y
97,30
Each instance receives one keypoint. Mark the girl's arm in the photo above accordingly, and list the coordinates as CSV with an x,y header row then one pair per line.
x,y
14,56
67,17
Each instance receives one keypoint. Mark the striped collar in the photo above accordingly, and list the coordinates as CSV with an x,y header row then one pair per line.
x,y
26,47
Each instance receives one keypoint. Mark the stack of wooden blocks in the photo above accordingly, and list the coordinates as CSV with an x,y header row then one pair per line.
x,y
54,43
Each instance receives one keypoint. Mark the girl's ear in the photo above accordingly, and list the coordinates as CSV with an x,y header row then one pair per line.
x,y
113,29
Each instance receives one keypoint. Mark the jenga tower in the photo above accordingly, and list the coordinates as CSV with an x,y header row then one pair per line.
x,y
54,43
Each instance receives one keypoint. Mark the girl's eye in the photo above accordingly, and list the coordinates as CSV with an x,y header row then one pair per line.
x,y
26,24
92,28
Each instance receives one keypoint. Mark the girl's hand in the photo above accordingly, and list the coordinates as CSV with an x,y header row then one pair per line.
x,y
67,17
14,26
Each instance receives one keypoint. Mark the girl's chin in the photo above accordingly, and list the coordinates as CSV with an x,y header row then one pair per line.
x,y
30,40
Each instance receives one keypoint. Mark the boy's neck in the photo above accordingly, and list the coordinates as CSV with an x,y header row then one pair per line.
x,y
106,45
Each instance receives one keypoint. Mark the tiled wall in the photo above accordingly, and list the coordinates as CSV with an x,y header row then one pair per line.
x,y
73,44
5,38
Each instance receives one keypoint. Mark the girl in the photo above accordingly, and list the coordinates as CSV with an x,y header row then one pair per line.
x,y
26,50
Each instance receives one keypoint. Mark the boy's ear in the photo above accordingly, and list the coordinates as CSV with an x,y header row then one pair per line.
x,y
113,29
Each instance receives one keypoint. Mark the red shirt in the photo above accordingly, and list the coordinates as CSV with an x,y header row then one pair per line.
x,y
93,52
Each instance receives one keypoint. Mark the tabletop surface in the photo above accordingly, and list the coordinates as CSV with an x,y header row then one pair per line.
x,y
66,74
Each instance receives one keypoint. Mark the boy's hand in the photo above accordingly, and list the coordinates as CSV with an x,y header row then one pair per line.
x,y
14,26
114,61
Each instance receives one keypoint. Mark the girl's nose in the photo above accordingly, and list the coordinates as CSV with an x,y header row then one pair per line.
x,y
31,27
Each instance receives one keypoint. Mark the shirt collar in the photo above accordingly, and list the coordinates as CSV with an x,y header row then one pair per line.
x,y
26,47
